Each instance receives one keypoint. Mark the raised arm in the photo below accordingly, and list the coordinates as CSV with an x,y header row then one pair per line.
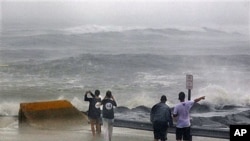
x,y
199,99
115,104
86,95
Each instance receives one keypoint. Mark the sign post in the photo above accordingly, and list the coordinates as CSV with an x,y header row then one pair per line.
x,y
189,84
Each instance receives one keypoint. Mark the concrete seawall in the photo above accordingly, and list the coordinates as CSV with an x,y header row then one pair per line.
x,y
195,131
59,114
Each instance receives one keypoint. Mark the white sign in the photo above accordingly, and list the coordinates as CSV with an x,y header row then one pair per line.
x,y
189,81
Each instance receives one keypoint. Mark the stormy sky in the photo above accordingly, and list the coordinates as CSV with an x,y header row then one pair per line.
x,y
147,13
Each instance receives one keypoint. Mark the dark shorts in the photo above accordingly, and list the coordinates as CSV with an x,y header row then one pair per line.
x,y
183,133
160,130
95,120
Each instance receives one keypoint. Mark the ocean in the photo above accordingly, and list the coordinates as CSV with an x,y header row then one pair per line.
x,y
137,64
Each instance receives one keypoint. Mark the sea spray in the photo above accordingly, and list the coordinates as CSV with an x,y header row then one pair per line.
x,y
9,108
218,97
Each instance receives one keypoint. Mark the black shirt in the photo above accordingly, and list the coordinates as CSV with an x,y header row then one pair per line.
x,y
93,111
108,108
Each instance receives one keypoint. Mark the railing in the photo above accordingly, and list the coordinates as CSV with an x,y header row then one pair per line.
x,y
195,131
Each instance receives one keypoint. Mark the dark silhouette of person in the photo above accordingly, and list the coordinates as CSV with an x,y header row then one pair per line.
x,y
94,112
161,118
108,115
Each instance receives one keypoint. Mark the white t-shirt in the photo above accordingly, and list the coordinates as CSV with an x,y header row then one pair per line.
x,y
182,111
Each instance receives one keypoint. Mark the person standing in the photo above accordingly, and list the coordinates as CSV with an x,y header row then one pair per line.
x,y
161,118
182,115
94,112
108,115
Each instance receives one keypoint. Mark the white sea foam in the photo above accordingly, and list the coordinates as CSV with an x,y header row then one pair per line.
x,y
79,104
156,79
142,99
9,108
219,96
83,29
96,29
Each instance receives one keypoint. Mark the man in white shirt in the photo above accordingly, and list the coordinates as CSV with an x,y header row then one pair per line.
x,y
182,115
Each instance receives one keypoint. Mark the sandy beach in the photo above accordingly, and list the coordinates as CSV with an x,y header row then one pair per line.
x,y
9,131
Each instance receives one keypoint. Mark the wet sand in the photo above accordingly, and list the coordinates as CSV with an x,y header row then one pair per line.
x,y
10,131
120,134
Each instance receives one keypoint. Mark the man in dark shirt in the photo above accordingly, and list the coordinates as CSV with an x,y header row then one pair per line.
x,y
94,112
161,118
108,115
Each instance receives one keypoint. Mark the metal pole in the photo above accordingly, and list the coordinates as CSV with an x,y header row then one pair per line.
x,y
189,94
189,98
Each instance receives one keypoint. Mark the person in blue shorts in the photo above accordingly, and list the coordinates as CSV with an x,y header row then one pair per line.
x,y
181,114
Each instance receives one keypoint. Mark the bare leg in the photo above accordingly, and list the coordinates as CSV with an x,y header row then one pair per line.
x,y
110,128
98,128
105,127
92,124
